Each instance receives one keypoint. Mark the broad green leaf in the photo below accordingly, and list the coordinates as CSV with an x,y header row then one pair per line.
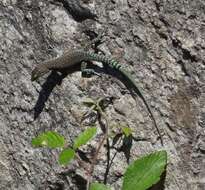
x,y
84,137
49,139
127,131
98,186
66,156
145,172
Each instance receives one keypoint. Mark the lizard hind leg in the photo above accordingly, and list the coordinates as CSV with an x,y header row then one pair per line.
x,y
87,73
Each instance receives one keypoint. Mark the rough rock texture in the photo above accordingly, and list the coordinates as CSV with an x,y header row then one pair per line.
x,y
161,41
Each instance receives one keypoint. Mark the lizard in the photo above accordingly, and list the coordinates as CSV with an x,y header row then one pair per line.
x,y
74,57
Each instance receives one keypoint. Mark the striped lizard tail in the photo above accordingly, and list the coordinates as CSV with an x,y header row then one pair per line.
x,y
115,65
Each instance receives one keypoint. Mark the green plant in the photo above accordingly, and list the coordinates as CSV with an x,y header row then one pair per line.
x,y
52,139
141,174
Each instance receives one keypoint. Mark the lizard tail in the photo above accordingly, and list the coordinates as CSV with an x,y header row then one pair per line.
x,y
137,90
115,65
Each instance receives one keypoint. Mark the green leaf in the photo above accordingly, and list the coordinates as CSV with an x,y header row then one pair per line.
x,y
98,186
66,156
145,172
84,137
127,131
49,139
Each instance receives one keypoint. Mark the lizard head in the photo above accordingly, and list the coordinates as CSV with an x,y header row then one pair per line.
x,y
38,71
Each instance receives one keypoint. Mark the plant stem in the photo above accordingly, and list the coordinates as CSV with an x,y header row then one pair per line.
x,y
105,136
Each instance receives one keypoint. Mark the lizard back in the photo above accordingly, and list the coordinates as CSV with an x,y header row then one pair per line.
x,y
68,59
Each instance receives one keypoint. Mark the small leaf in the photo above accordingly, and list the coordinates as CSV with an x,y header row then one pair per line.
x,y
49,139
127,131
84,137
145,172
66,156
98,186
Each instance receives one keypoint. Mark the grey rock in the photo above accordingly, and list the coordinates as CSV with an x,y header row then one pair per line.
x,y
161,42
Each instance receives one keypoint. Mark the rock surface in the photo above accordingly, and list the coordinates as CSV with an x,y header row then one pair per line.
x,y
161,42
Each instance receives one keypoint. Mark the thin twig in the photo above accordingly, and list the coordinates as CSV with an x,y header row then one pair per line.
x,y
105,136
